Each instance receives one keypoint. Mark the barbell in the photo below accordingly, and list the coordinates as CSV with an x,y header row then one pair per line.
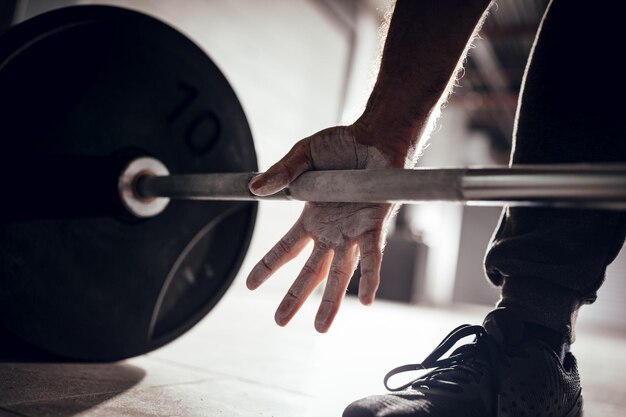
x,y
555,185
112,121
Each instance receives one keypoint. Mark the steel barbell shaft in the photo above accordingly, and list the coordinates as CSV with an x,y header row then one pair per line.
x,y
568,184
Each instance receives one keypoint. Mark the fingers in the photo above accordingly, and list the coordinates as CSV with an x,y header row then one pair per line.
x,y
284,171
313,272
287,248
341,271
371,244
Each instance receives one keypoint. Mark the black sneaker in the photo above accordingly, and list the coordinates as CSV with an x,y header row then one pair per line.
x,y
495,375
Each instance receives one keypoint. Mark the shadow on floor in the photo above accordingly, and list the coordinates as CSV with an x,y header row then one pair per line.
x,y
34,382
62,389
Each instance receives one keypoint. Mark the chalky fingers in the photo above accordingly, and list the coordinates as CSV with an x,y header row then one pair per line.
x,y
341,270
371,259
313,272
287,248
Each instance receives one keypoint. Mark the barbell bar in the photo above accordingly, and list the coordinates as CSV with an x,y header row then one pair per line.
x,y
561,185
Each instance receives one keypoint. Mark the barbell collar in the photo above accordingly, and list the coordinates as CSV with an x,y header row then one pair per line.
x,y
549,185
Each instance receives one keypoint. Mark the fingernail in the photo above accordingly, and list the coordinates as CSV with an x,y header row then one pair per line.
x,y
255,181
262,185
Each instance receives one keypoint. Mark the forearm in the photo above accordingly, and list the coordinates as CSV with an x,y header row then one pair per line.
x,y
426,41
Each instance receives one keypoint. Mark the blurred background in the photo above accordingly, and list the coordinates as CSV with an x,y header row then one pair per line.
x,y
301,66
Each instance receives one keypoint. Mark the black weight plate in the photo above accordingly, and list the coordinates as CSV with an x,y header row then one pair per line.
x,y
91,81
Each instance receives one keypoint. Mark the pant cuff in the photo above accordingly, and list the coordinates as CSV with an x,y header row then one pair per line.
x,y
543,303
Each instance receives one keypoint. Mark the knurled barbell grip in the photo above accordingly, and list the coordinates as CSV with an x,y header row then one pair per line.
x,y
322,186
578,185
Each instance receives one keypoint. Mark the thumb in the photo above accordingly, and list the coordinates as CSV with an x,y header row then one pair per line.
x,y
283,172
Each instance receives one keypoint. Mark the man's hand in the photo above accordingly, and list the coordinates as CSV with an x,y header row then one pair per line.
x,y
340,232
425,45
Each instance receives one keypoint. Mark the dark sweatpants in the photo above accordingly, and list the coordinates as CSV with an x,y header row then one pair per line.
x,y
550,261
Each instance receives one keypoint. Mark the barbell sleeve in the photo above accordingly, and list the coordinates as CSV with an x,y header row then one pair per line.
x,y
564,184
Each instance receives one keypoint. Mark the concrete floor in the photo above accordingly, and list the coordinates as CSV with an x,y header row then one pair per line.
x,y
237,362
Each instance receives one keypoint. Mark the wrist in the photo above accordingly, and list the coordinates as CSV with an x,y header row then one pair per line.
x,y
395,139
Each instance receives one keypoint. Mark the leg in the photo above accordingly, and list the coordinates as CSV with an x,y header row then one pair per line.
x,y
550,261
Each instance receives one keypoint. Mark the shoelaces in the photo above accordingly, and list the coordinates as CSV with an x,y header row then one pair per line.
x,y
455,370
